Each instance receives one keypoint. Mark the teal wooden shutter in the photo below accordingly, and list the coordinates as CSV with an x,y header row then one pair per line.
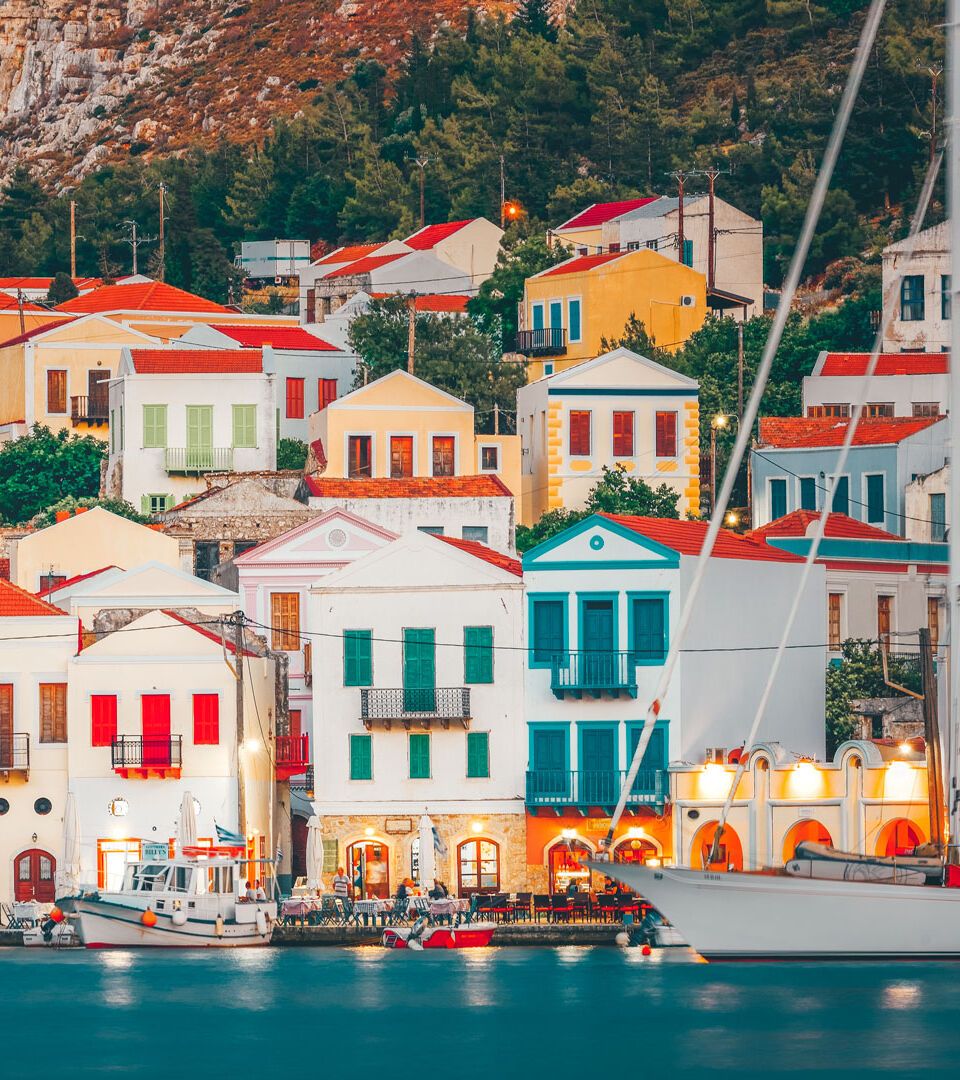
x,y
648,629
478,753
548,635
357,658
419,757
478,654
419,670
361,757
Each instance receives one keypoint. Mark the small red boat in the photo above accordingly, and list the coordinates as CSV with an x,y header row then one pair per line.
x,y
421,936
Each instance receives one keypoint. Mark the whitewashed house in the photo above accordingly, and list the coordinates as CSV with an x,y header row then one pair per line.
x,y
177,414
921,300
418,708
926,501
903,384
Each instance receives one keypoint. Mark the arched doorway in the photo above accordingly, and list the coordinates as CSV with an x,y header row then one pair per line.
x,y
635,851
808,829
731,850
298,846
898,837
565,866
368,867
478,866
34,878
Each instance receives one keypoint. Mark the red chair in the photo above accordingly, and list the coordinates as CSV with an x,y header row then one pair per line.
x,y
542,906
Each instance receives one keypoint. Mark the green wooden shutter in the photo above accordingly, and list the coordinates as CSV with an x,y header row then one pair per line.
x,y
199,436
331,848
357,658
154,426
548,630
245,425
478,753
419,669
361,757
144,504
478,654
419,757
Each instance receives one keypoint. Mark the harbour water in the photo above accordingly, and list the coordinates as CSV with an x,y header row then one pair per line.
x,y
495,1014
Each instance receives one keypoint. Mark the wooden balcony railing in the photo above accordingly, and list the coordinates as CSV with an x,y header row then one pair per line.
x,y
89,409
292,755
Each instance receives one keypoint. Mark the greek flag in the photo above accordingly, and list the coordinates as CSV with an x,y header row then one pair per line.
x,y
225,836
438,845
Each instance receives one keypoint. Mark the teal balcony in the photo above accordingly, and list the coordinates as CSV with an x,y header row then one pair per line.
x,y
198,459
555,790
594,673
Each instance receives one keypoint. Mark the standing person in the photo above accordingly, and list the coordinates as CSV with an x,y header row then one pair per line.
x,y
341,884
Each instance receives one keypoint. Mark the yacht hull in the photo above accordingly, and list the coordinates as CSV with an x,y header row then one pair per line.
x,y
733,916
104,924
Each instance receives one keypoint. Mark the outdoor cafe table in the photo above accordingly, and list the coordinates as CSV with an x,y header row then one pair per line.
x,y
27,912
299,907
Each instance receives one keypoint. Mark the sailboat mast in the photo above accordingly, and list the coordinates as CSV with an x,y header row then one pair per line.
x,y
953,588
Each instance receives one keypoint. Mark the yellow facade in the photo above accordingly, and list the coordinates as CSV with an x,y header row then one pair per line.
x,y
668,298
12,327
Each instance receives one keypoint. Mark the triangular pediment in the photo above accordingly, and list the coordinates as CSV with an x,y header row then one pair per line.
x,y
618,368
334,537
599,543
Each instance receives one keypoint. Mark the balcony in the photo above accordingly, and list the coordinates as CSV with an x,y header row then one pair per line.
x,y
594,673
86,409
136,757
555,790
292,755
548,342
192,460
422,708
14,754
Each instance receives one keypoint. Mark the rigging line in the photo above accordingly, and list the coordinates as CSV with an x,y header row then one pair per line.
x,y
863,393
792,280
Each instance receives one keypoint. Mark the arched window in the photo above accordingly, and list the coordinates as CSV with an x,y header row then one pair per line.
x,y
635,852
808,829
478,866
731,850
33,877
565,864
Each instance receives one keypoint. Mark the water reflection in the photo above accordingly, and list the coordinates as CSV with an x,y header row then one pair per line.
x,y
902,995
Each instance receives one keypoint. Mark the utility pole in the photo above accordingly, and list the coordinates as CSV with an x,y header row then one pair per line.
x,y
934,70
411,329
503,195
422,163
496,419
681,178
134,239
711,174
73,239
23,328
931,730
739,371
236,620
163,244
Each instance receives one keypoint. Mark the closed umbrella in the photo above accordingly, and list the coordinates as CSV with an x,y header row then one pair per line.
x,y
70,872
187,832
428,862
314,853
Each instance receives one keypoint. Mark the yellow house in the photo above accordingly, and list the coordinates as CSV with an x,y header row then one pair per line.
x,y
401,426
569,308
17,320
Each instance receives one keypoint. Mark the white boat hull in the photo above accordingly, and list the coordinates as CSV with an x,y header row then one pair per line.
x,y
735,916
104,924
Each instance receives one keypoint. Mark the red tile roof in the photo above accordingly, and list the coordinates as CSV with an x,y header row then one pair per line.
x,y
11,303
583,263
481,551
148,296
686,537
839,526
76,579
280,337
197,361
432,301
33,331
15,601
887,364
800,432
430,235
418,487
600,212
208,633
4,569
365,265
348,254
45,282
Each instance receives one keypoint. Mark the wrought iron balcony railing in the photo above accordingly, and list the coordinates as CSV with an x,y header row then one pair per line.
x,y
89,409
422,707
594,787
594,673
133,752
15,752
551,341
198,459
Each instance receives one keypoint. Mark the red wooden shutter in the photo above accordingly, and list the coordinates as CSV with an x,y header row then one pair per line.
x,y
623,434
666,434
580,433
103,719
326,392
155,721
295,723
294,399
206,719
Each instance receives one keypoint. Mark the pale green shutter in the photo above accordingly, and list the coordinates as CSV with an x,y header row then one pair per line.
x,y
245,425
419,757
199,436
144,504
478,654
154,426
478,754
330,854
357,658
361,757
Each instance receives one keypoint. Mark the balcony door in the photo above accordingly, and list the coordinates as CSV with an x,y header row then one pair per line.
x,y
199,436
155,717
6,726
97,392
598,766
597,655
549,773
419,670
654,760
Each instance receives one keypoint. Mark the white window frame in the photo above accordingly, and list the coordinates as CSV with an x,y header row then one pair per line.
x,y
786,491
488,446
347,436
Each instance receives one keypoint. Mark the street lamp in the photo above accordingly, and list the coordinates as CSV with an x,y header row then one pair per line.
x,y
721,420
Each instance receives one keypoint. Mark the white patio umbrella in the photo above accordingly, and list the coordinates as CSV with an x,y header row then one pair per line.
x,y
314,853
428,862
70,873
187,831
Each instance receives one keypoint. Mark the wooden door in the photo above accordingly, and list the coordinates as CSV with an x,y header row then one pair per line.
x,y
155,719
401,456
97,391
419,670
596,655
34,876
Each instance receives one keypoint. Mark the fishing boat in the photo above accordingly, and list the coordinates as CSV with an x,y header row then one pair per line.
x,y
423,936
194,899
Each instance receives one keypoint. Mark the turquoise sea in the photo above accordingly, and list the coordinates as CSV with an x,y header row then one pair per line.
x,y
495,1014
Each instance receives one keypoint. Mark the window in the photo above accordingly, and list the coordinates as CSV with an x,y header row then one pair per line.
x,y
154,503
875,508
478,754
401,456
478,654
926,408
878,408
580,433
778,499
489,458
808,493
240,546
245,425
933,620
884,618
549,630
206,557
666,434
648,629
944,296
687,259
154,427
443,455
285,620
295,399
556,315
431,530
7,752
911,298
536,316
623,434
53,712
206,719
841,496
478,866
357,657
103,719
56,391
836,409
419,746
633,245
361,757
51,581
477,533
834,619
938,518
358,456
574,331
548,367
652,244
326,392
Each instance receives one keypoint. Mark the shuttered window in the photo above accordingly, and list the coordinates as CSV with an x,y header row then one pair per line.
x,y
623,434
478,654
56,391
361,757
6,725
444,454
649,629
285,620
666,434
478,754
549,638
419,757
294,399
154,426
245,425
103,719
326,392
206,719
580,433
357,658
53,712
834,619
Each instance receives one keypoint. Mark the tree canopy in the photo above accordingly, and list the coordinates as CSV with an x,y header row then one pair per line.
x,y
41,468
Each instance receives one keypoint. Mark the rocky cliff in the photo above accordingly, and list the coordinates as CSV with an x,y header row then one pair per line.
x,y
85,81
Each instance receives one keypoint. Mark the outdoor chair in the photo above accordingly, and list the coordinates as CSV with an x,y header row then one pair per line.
x,y
421,905
500,907
629,905
542,906
606,909
521,907
344,911
562,907
467,917
581,907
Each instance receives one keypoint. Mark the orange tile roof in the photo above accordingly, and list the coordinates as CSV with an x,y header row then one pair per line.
x,y
417,487
348,254
887,364
598,213
148,296
438,302
280,337
45,282
15,601
686,538
365,265
481,551
583,263
430,235
76,579
11,303
801,432
838,526
197,361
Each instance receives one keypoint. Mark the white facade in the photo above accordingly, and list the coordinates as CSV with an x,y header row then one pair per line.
x,y
920,293
897,386
472,247
927,502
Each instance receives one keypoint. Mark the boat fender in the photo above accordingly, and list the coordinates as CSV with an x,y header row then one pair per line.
x,y
415,944
179,917
218,926
622,939
261,923
56,914
149,918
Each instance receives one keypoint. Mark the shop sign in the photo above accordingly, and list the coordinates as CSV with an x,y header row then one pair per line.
x,y
596,825
398,826
153,852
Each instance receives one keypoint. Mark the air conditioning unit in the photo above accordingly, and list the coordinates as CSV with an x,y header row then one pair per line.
x,y
688,301
715,755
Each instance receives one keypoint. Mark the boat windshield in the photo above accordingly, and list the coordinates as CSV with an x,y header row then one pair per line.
x,y
153,877
220,880
181,879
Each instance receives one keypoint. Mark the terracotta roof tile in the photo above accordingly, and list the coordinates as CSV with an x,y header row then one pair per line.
x,y
197,361
481,551
418,487
348,254
4,569
439,302
11,303
887,364
430,235
686,538
280,337
797,432
838,526
598,213
583,263
15,601
148,296
365,265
